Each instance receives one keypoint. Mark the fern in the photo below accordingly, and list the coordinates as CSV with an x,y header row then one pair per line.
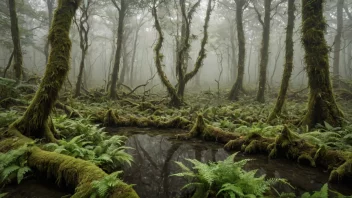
x,y
2,195
103,187
13,165
323,193
227,178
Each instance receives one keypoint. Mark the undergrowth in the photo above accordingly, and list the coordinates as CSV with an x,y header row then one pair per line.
x,y
90,143
13,165
226,179
102,188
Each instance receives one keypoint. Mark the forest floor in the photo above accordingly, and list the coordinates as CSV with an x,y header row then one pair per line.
x,y
207,114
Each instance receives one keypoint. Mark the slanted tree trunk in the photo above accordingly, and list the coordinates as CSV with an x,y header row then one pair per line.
x,y
17,52
175,100
337,41
288,62
322,106
83,30
50,5
177,94
36,122
8,64
238,86
115,72
264,51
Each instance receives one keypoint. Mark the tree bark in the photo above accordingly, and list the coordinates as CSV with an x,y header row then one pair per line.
x,y
50,5
288,61
8,64
35,122
337,41
264,52
322,106
17,52
83,28
115,71
238,86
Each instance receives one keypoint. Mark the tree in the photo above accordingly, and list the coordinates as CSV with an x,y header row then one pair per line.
x,y
176,93
337,42
17,52
36,122
122,8
83,30
264,52
50,6
238,86
288,61
322,106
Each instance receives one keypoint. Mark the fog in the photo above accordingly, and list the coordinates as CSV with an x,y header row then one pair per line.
x,y
221,59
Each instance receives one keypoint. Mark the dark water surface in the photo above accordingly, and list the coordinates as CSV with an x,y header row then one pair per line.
x,y
155,151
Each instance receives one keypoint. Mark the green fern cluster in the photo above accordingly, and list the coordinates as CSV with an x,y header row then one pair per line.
x,y
109,153
324,193
331,137
13,165
102,188
69,128
8,117
227,178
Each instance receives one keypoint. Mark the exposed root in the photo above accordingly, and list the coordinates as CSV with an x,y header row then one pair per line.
x,y
73,172
66,170
70,112
207,132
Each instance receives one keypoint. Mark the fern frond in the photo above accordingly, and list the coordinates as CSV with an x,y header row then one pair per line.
x,y
22,172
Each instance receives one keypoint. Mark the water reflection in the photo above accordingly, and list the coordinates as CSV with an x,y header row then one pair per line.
x,y
154,157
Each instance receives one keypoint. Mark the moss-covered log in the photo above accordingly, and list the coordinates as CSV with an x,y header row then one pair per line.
x,y
207,132
74,172
289,145
111,119
35,121
322,106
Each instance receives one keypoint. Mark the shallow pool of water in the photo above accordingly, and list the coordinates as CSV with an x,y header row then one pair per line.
x,y
155,152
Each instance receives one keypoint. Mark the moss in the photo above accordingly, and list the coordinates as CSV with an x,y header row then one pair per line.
x,y
35,121
73,172
306,159
207,132
322,106
342,172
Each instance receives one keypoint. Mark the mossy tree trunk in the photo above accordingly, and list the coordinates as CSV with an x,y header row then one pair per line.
x,y
337,42
322,106
177,93
238,86
83,30
50,6
17,52
288,61
35,122
115,71
175,100
8,64
264,52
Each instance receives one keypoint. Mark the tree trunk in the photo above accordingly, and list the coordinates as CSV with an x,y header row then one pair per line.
x,y
50,5
115,71
8,64
264,52
233,51
337,41
134,55
175,100
322,106
35,122
238,86
288,61
17,52
83,29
